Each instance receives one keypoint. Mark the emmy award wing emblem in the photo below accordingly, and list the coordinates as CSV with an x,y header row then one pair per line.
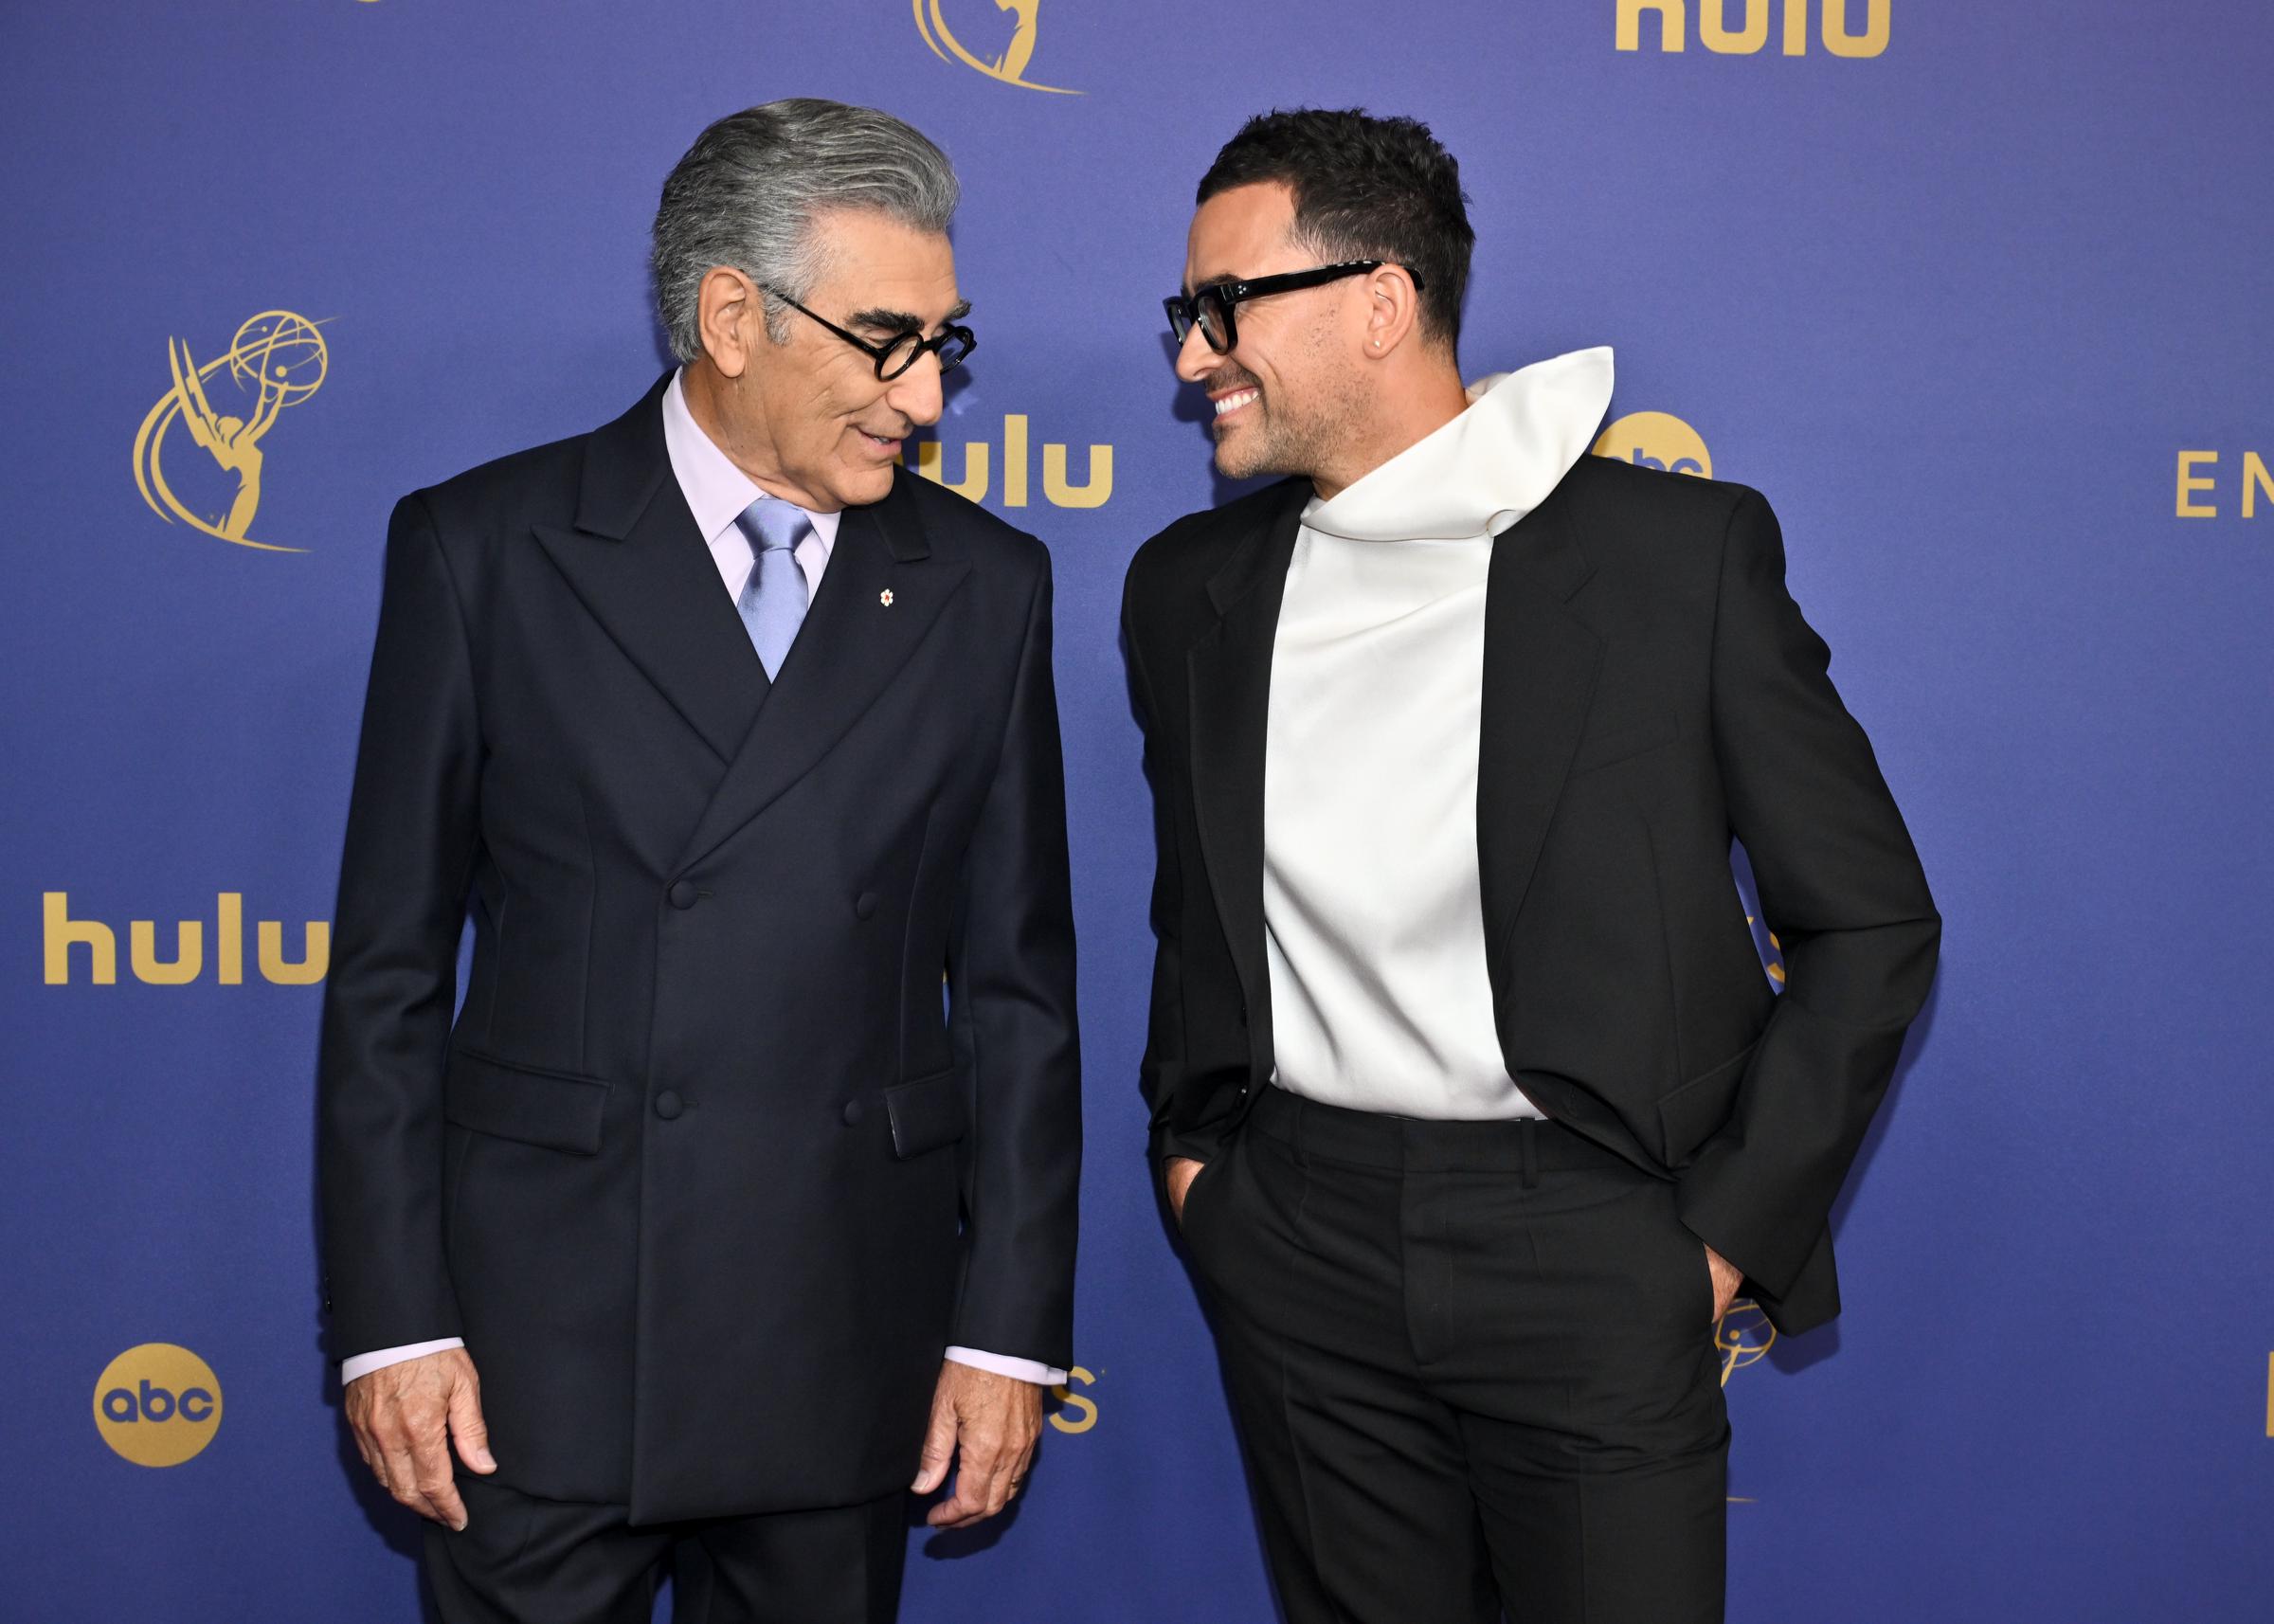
x,y
275,361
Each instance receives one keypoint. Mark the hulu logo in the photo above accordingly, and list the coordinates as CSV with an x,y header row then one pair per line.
x,y
1058,487
63,934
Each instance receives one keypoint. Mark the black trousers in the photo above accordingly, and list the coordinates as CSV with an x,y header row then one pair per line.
x,y
525,1560
1472,1368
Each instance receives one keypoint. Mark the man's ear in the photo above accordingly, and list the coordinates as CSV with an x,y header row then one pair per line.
x,y
730,317
1392,310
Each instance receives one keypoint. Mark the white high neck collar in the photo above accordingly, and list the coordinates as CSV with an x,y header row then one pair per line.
x,y
1487,468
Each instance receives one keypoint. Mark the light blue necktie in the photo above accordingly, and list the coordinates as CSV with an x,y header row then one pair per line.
x,y
773,601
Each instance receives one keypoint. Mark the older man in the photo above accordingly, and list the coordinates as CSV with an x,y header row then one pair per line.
x,y
1468,1088
699,1218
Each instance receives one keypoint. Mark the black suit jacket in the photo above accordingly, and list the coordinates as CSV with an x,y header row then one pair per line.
x,y
1650,690
701,1170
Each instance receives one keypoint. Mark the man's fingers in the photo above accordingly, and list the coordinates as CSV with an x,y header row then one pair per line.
x,y
431,1471
975,1476
939,1447
966,1505
442,1493
468,1427
402,1480
431,1477
985,1482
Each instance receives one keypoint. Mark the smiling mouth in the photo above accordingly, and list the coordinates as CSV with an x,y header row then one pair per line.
x,y
878,441
1227,405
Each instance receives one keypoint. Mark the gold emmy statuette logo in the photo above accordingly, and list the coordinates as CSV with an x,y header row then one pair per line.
x,y
1743,1336
158,1404
2198,487
1656,440
1010,67
1075,1414
1752,30
276,360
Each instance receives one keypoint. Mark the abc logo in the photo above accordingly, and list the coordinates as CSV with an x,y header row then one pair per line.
x,y
1656,440
158,1404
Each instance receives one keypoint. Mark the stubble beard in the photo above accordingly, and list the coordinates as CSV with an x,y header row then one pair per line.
x,y
1278,440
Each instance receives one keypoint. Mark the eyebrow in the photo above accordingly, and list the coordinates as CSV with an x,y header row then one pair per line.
x,y
1217,281
902,321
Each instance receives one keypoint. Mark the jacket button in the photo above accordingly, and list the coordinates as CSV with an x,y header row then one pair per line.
x,y
683,895
853,1113
669,1105
865,905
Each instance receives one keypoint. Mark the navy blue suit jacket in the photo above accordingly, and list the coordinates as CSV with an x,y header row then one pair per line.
x,y
704,1169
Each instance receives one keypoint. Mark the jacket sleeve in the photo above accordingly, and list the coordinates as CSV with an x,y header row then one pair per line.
x,y
1841,887
1161,1072
1011,1000
411,839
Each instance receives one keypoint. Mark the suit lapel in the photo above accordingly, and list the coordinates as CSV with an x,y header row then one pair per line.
x,y
639,565
1540,670
851,645
1229,684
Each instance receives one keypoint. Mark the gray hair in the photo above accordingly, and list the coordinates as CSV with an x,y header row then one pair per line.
x,y
747,192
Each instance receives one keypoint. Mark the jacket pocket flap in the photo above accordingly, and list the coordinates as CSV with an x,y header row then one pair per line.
x,y
1696,1109
926,1114
558,1111
1605,746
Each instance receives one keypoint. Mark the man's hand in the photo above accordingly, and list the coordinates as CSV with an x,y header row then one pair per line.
x,y
993,1421
1727,1276
404,1418
1180,1171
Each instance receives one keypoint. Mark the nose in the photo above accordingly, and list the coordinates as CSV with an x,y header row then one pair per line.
x,y
918,394
1195,359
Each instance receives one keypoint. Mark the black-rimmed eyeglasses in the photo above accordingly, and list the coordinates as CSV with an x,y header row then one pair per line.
x,y
1210,308
951,344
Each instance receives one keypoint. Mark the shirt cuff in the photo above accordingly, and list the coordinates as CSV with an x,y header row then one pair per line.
x,y
364,1364
1002,1365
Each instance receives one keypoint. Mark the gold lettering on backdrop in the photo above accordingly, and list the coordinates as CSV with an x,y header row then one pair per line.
x,y
1748,39
1075,1414
1058,488
1092,494
973,486
61,934
316,954
1014,461
1674,24
1716,35
189,954
2190,482
1870,42
2199,477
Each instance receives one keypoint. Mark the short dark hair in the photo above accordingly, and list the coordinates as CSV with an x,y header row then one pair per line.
x,y
1365,188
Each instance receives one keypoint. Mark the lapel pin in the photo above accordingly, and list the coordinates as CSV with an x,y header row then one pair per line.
x,y
885,597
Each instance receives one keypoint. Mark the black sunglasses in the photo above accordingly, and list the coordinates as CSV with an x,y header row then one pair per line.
x,y
1210,308
952,345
